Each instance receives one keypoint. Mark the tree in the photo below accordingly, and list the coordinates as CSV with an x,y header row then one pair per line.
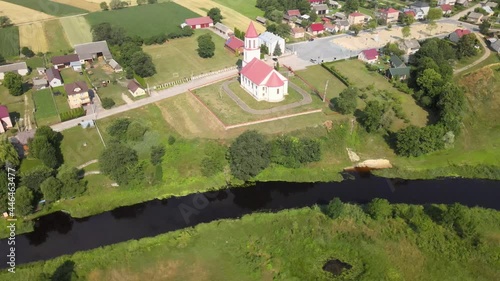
x,y
143,65
406,31
54,137
118,128
414,141
264,50
135,131
312,16
277,51
2,59
458,218
72,185
206,47
452,106
347,101
106,32
107,103
484,27
4,181
27,52
34,178
171,140
372,24
41,148
104,6
351,6
8,154
334,208
430,82
5,21
215,15
13,82
372,116
115,4
379,209
356,28
141,2
407,19
434,14
466,46
51,189
129,72
282,30
24,201
157,153
392,49
249,154
117,161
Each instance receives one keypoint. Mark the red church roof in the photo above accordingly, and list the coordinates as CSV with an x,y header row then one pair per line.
x,y
275,81
462,32
251,32
317,27
199,21
370,54
256,71
4,112
446,7
234,43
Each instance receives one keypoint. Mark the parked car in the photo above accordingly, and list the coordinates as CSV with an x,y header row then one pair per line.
x,y
311,39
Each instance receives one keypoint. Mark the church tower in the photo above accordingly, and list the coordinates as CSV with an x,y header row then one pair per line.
x,y
252,46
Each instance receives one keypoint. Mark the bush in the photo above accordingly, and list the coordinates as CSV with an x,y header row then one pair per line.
x,y
335,73
157,153
171,140
135,131
27,52
334,208
72,114
107,103
118,128
379,209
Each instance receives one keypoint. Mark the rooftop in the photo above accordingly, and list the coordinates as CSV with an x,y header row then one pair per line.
x,y
4,111
199,21
13,67
87,50
320,7
251,32
77,87
256,70
234,43
222,27
53,74
133,86
317,27
269,37
65,59
370,54
356,14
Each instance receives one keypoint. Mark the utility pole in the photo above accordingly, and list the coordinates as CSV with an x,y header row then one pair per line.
x,y
326,86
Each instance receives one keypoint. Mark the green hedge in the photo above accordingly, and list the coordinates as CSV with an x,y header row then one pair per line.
x,y
72,114
140,80
335,73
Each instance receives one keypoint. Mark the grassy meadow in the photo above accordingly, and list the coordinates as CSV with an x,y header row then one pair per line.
x,y
49,7
9,41
54,33
46,110
245,7
145,20
294,245
80,145
77,30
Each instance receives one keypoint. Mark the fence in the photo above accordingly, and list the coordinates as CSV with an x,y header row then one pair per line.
x,y
185,80
305,81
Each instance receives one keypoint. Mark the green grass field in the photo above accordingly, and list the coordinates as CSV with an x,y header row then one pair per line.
x,y
145,20
14,104
294,245
317,76
46,110
69,76
49,7
54,33
61,100
179,59
9,41
80,145
77,30
245,7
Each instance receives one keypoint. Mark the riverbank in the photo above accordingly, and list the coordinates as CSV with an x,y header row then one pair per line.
x,y
294,245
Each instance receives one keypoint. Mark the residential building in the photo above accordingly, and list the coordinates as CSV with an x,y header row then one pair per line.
x,y
446,2
224,30
115,66
272,40
420,6
396,61
495,46
402,72
78,94
474,17
410,47
356,18
446,8
413,14
60,62
368,56
135,89
320,9
340,16
316,28
19,67
464,3
92,51
491,4
293,13
389,15
54,77
457,34
201,22
330,27
5,122
343,25
76,65
488,10
298,32
334,4
235,44
259,79
316,2
40,84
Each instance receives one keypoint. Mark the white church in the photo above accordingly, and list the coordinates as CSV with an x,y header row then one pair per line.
x,y
259,79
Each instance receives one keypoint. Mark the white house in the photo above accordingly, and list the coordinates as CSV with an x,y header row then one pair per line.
x,y
19,67
410,47
260,80
135,89
54,77
272,40
446,2
421,9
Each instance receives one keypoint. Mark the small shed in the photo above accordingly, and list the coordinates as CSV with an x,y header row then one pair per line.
x,y
87,124
40,83
262,20
114,64
223,29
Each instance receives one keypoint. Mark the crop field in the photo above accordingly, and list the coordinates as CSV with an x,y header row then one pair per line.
x,y
81,4
77,30
145,20
49,7
231,19
178,58
9,41
54,33
131,2
33,36
246,7
19,14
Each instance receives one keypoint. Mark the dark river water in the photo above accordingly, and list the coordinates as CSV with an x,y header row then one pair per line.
x,y
58,234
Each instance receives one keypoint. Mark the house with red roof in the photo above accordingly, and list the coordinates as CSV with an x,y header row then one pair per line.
x,y
446,8
356,18
368,56
388,15
293,13
316,28
411,13
457,34
315,2
201,22
5,121
235,44
258,78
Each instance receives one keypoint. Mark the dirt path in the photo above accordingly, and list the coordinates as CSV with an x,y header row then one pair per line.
x,y
88,163
92,173
486,54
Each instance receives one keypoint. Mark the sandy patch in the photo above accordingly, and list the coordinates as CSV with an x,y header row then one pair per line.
x,y
231,19
19,14
352,155
382,37
82,4
33,36
375,164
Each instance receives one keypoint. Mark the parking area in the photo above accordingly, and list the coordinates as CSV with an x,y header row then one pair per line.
x,y
322,49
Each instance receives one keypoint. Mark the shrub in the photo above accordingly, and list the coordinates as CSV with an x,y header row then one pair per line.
x,y
335,73
157,153
107,103
334,208
119,128
171,140
135,131
72,114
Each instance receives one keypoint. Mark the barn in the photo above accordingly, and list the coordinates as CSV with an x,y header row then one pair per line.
x,y
201,22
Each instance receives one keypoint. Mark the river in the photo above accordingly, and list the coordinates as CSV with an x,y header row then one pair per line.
x,y
58,234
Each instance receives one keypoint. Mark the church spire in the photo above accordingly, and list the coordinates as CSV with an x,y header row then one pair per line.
x,y
251,32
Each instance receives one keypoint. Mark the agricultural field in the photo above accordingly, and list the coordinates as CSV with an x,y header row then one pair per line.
x,y
245,7
49,7
54,32
19,14
81,4
178,58
46,110
77,30
32,35
9,41
131,2
232,18
145,20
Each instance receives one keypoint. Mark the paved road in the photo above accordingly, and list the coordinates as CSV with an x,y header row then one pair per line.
x,y
306,99
486,54
158,96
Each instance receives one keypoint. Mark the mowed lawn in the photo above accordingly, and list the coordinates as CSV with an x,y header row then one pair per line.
x,y
80,145
178,58
145,20
13,103
49,7
246,7
317,77
54,32
46,111
9,41
77,30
